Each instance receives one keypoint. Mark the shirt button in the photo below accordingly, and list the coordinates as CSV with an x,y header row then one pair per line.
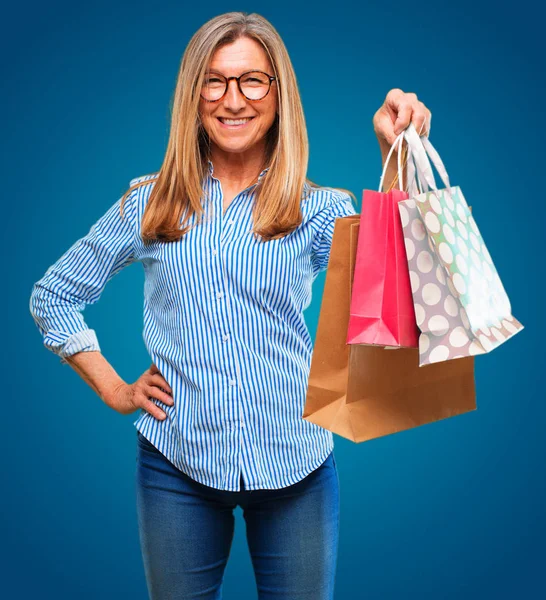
x,y
219,294
232,382
231,221
225,337
214,251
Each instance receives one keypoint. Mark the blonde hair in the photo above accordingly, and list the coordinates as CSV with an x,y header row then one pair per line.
x,y
178,186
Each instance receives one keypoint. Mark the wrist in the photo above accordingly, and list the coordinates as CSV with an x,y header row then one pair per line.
x,y
111,390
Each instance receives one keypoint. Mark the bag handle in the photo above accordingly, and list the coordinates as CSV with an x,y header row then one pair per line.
x,y
398,140
415,184
419,146
419,171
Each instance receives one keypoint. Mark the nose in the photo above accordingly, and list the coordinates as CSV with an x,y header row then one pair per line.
x,y
233,99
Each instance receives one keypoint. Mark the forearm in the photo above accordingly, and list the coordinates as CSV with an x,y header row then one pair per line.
x,y
97,372
391,173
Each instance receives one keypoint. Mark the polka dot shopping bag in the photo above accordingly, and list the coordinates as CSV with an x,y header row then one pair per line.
x,y
461,306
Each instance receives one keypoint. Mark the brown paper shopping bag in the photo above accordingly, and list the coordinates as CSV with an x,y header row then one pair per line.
x,y
362,392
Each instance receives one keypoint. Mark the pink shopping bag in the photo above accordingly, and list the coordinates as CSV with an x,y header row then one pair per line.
x,y
382,311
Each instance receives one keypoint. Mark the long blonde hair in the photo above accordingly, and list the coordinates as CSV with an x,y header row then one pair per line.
x,y
178,186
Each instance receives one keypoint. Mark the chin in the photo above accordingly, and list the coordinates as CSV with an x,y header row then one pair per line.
x,y
236,150
232,147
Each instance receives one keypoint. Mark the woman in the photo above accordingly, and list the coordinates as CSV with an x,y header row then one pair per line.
x,y
221,404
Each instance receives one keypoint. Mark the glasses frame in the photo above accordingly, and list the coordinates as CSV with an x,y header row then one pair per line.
x,y
238,80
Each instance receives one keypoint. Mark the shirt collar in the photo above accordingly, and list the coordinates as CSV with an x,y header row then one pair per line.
x,y
211,171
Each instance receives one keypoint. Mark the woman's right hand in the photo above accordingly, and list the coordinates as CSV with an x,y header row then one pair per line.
x,y
129,397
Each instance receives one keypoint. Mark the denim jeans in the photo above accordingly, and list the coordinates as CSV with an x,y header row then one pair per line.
x,y
186,530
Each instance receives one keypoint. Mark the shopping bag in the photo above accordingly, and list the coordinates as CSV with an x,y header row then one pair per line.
x,y
461,306
362,392
381,310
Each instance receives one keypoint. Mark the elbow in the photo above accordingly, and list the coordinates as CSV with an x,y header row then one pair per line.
x,y
35,301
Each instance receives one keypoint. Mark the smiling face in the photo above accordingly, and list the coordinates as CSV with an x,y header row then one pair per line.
x,y
243,55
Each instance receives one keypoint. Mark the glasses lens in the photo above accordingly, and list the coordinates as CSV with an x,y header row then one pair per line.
x,y
255,85
214,87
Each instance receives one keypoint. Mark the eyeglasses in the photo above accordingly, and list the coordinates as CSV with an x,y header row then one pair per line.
x,y
254,85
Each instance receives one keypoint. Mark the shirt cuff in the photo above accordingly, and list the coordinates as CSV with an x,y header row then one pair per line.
x,y
82,341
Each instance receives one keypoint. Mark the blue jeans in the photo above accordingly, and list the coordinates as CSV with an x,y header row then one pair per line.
x,y
186,529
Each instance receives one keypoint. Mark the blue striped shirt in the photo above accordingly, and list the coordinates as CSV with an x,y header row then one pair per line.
x,y
224,324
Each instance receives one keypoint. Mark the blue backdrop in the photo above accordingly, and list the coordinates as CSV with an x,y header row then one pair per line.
x,y
445,510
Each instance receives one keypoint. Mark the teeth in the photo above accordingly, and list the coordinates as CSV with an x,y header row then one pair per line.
x,y
235,122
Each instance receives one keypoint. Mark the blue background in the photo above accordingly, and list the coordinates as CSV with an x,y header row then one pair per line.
x,y
448,509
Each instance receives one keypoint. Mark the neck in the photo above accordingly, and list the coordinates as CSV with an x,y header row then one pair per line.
x,y
237,169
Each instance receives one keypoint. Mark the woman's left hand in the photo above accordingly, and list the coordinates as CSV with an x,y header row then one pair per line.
x,y
398,111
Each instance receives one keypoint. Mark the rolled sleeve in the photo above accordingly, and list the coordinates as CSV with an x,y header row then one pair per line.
x,y
340,205
82,341
79,277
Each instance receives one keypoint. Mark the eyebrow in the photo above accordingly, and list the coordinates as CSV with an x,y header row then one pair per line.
x,y
220,72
